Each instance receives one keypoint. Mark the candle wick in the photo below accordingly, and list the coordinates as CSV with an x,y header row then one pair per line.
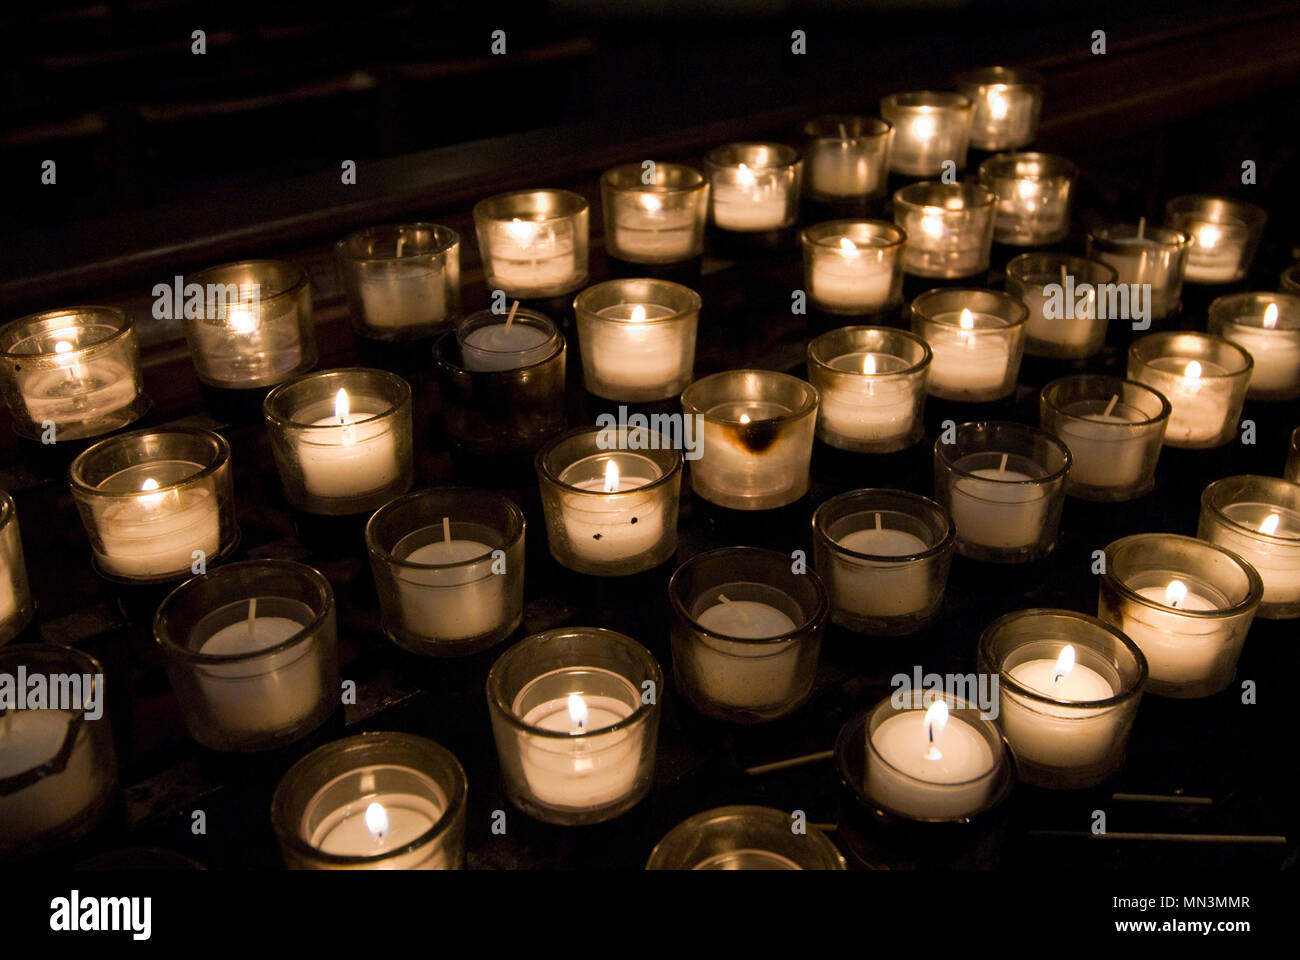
x,y
446,529
1002,467
252,616
878,520
1142,227
744,615
1063,275
510,317
400,239
1114,399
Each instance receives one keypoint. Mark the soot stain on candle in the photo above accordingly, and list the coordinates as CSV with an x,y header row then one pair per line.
x,y
755,436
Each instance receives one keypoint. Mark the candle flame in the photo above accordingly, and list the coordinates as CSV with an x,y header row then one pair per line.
x,y
967,320
848,247
611,477
744,418
869,366
932,221
1270,524
377,821
998,105
652,203
577,713
1175,593
923,127
1064,664
341,406
1193,371
936,718
1270,316
149,484
523,231
62,346
638,313
243,317
744,176
152,499
1208,236
1027,189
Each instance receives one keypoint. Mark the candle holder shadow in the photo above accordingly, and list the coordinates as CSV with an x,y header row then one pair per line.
x,y
743,837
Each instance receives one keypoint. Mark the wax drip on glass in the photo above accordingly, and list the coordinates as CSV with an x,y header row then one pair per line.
x,y
1064,664
377,822
577,714
936,718
1175,593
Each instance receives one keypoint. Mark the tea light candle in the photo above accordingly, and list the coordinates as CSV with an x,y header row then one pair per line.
x,y
1102,458
847,157
30,739
349,455
528,254
767,673
1267,326
749,204
853,266
999,506
1007,104
929,764
1057,736
1178,649
882,589
411,298
637,338
659,221
1144,255
930,128
444,596
533,242
488,342
754,186
869,407
1196,416
648,231
974,355
1034,194
1216,251
1066,316
156,532
949,228
1267,535
386,822
78,389
606,529
1204,379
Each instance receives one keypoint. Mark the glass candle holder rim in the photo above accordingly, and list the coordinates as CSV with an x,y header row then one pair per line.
x,y
1152,339
693,300
1053,165
755,812
506,710
934,100
399,384
1210,502
613,179
1254,591
811,396
220,449
1017,306
444,239
541,321
811,128
289,278
1288,319
9,333
784,155
940,546
927,355
324,594
1027,432
1122,383
809,621
821,234
998,75
1006,680
455,798
974,195
1251,214
1018,267
668,474
1169,237
573,204
515,532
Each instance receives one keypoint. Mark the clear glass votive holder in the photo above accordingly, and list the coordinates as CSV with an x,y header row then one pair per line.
x,y
71,373
872,386
977,338
743,838
575,715
519,338
1224,235
949,228
251,650
1204,379
846,157
375,801
637,338
1007,102
58,770
1186,603
1289,280
16,606
930,128
755,186
1034,194
1267,326
854,266
610,496
1004,485
756,437
1143,255
660,221
156,503
1114,429
1259,519
1069,306
1069,687
533,243
506,411
449,567
884,555
256,328
402,280
341,439
1292,470
746,633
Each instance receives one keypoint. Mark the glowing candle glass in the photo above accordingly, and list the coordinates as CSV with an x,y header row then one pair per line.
x,y
1259,519
72,373
1267,326
16,607
377,801
1069,691
1224,233
755,186
1007,104
449,566
660,221
746,633
743,838
1035,192
1204,378
402,281
533,242
637,338
1067,301
1143,254
930,128
575,715
854,266
977,338
949,228
846,158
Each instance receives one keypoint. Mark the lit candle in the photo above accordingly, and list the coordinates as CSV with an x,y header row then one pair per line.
x,y
529,254
741,456
1274,348
967,359
634,352
78,387
602,529
157,531
872,406
1059,734
647,228
998,507
349,454
929,764
1216,252
1268,537
1179,649
1198,414
247,342
854,277
750,201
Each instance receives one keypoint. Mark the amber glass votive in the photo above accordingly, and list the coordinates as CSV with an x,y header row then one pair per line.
x,y
1204,379
1007,103
654,216
637,338
16,607
251,650
449,566
1068,300
755,186
846,158
533,242
1114,429
1034,194
1224,235
376,801
1259,519
156,504
930,128
402,280
746,633
872,386
341,439
1144,255
1267,326
72,373
977,338
756,439
854,266
575,715
949,228
743,838
256,327
58,771
1186,603
885,555
1069,691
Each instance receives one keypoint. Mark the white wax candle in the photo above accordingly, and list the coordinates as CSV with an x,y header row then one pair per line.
x,y
632,352
1277,561
248,344
1140,261
754,202
1058,735
1178,649
356,456
744,675
1215,254
870,406
405,298
854,277
156,533
1199,410
456,602
604,529
1276,353
505,346
357,830
971,352
842,170
29,739
929,770
526,254
735,468
644,228
1104,455
874,588
1077,325
997,507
